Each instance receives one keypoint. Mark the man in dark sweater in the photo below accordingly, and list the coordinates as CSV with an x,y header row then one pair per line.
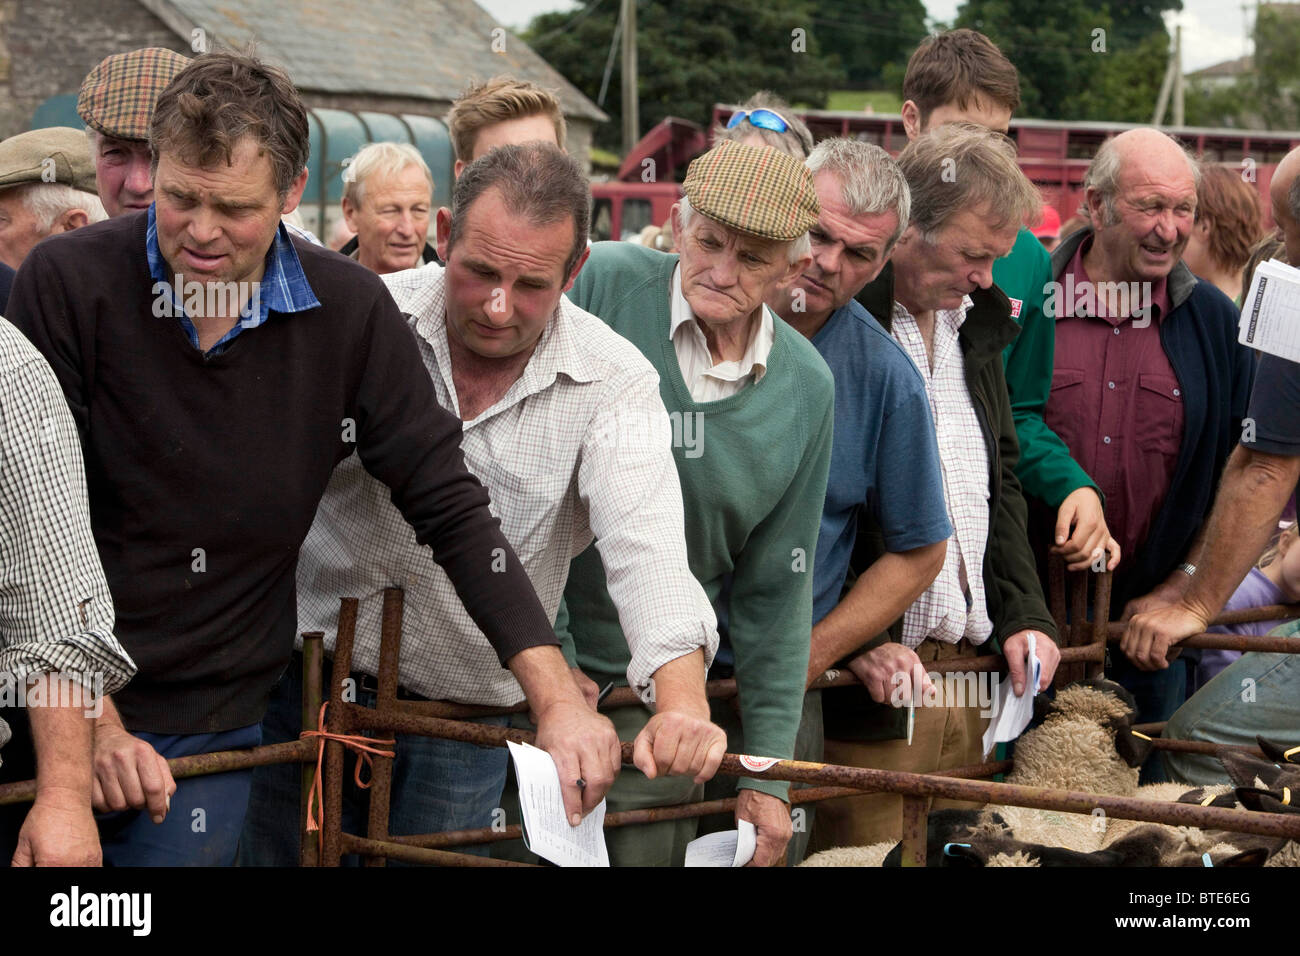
x,y
218,370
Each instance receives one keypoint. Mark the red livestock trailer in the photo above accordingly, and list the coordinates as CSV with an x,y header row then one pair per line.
x,y
1054,153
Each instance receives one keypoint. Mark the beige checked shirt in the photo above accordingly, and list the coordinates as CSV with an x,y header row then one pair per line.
x,y
953,606
578,447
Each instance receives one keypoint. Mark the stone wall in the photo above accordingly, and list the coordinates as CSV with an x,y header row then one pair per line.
x,y
48,46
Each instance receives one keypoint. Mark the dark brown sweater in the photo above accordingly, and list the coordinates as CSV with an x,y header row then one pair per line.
x,y
204,473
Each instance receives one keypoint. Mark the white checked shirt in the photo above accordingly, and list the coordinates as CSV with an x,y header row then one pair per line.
x,y
56,612
953,606
709,382
579,446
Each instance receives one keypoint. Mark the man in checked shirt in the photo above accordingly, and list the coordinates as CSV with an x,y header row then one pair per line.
x,y
564,425
56,618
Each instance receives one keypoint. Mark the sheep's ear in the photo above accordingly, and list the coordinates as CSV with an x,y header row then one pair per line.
x,y
1133,747
962,855
1278,753
1043,705
1225,801
1244,769
1255,857
1270,801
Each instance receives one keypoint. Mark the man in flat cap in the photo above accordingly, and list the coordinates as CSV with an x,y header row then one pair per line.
x,y
750,402
116,102
47,186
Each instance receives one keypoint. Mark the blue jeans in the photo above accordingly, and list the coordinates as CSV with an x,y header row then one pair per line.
x,y
1257,694
202,827
437,785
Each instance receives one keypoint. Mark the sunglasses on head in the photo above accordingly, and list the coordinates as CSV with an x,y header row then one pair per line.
x,y
762,118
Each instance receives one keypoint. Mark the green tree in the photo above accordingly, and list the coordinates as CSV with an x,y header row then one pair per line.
x,y
1267,97
1272,94
870,35
1077,61
690,55
1140,18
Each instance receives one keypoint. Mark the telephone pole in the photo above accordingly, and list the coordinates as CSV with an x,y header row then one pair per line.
x,y
631,117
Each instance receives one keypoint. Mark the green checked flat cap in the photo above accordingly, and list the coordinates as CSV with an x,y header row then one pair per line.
x,y
117,97
57,154
754,189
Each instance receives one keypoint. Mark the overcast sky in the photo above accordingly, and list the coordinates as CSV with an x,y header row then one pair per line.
x,y
1213,30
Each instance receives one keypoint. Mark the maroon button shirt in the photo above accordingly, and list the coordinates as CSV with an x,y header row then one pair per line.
x,y
1116,402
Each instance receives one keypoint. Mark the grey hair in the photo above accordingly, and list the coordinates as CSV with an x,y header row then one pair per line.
x,y
1103,175
1293,198
48,201
796,249
870,181
384,159
537,181
959,166
797,141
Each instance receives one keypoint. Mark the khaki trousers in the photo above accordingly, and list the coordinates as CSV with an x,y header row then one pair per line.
x,y
944,737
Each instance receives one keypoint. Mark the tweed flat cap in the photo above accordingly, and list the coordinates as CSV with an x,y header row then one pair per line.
x,y
58,154
117,97
754,189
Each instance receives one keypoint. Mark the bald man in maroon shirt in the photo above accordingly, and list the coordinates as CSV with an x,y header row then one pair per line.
x,y
1150,385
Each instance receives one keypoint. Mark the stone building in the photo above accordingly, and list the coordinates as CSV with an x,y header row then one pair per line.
x,y
408,57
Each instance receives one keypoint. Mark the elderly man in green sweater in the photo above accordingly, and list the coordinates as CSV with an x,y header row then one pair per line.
x,y
751,405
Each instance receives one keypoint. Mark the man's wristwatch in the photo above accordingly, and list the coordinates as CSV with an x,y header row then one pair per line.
x,y
1187,569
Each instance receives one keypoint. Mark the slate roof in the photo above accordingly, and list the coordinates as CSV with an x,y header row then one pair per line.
x,y
422,48
1237,67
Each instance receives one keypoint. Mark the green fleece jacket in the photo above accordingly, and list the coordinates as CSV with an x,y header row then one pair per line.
x,y
753,481
1012,589
1046,470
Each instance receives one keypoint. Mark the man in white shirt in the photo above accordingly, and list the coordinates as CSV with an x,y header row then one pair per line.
x,y
565,427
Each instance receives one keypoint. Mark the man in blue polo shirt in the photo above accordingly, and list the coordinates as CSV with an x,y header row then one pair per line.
x,y
884,460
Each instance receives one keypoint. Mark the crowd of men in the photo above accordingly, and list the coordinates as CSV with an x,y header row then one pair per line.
x,y
844,426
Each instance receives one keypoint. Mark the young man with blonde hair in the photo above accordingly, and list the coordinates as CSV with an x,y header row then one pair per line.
x,y
503,111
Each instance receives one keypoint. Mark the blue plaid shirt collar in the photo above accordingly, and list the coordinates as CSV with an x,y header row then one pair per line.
x,y
284,286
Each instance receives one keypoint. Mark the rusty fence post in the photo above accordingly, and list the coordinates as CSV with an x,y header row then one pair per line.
x,y
313,659
381,772
1100,621
916,821
337,723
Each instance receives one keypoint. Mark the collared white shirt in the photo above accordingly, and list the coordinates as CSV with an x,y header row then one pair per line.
x,y
709,382
953,606
579,446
